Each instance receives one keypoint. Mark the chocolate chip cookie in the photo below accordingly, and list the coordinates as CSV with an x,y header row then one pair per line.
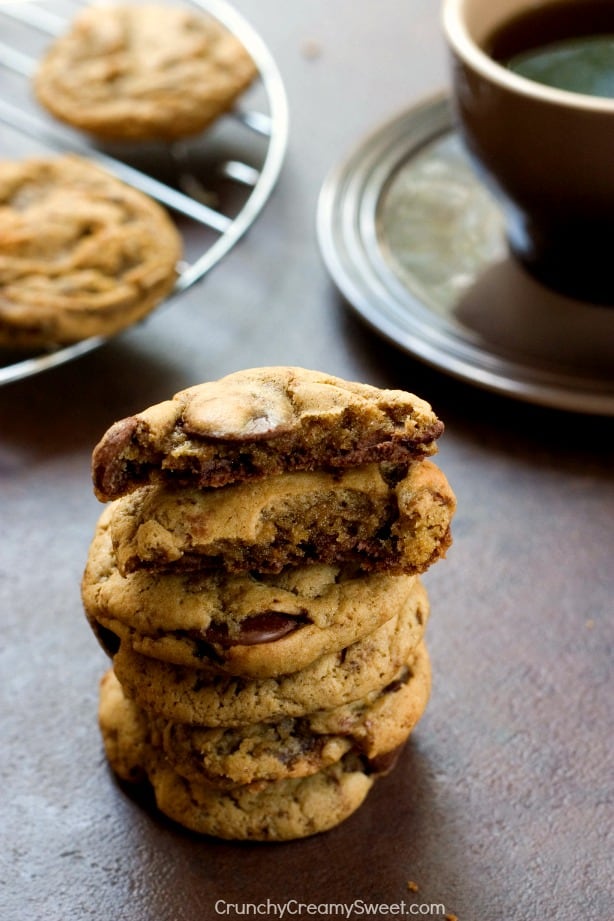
x,y
192,695
374,727
358,517
81,253
283,810
141,72
249,624
260,422
272,811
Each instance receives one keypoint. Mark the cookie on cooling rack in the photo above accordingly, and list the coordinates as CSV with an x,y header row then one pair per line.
x,y
134,72
81,253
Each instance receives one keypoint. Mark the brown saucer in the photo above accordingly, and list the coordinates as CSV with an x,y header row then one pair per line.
x,y
415,243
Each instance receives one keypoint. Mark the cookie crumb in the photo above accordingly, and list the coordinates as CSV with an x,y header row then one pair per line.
x,y
590,624
450,917
310,49
412,886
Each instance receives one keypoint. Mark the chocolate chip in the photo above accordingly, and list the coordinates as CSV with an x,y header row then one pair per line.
x,y
217,634
267,627
385,762
260,628
109,641
236,413
398,683
109,467
204,650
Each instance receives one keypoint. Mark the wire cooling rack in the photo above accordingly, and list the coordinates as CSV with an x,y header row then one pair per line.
x,y
214,185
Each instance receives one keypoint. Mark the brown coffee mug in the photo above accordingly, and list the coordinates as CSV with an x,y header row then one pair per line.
x,y
547,154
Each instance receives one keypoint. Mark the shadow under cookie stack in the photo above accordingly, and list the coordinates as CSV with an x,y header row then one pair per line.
x,y
255,579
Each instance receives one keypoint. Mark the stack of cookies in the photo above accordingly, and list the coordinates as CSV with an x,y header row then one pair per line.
x,y
255,580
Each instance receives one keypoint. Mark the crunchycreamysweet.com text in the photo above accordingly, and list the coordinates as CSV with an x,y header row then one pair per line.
x,y
358,908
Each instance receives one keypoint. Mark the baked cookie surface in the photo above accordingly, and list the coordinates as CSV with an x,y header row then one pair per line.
x,y
139,72
273,811
373,727
356,517
281,811
190,695
244,624
259,422
81,253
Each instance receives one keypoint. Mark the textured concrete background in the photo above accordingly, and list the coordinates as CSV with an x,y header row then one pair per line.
x,y
500,807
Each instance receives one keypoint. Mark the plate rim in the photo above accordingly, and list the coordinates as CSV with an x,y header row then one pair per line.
x,y
340,229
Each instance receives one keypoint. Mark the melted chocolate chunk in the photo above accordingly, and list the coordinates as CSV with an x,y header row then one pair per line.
x,y
268,627
398,682
108,471
217,634
385,762
109,641
260,628
204,650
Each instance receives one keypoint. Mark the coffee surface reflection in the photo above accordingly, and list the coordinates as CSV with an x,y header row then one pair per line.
x,y
567,45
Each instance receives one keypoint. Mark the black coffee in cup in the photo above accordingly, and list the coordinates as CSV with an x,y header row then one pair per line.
x,y
567,45
546,153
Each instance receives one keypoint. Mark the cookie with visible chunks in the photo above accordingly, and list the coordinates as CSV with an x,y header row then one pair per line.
x,y
259,422
243,624
143,72
274,811
358,517
283,810
192,695
81,253
374,727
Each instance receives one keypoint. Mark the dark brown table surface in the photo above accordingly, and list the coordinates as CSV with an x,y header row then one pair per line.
x,y
500,808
